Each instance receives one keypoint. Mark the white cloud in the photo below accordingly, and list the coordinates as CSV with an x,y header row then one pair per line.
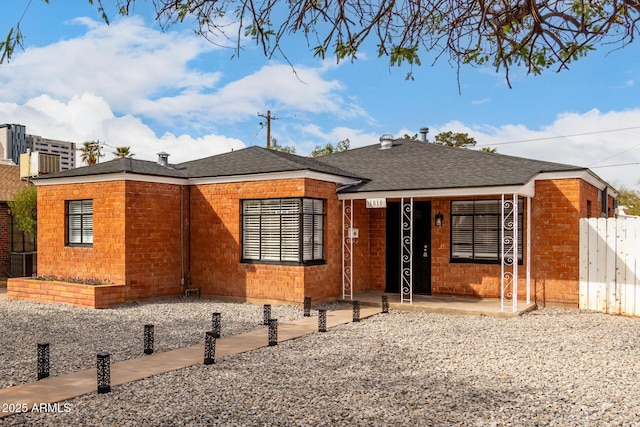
x,y
89,117
592,139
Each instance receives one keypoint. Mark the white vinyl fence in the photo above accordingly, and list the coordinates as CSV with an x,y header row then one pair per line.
x,y
610,265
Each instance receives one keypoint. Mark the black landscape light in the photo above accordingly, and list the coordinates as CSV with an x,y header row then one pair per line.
x,y
215,324
322,320
43,360
209,348
273,332
104,373
148,339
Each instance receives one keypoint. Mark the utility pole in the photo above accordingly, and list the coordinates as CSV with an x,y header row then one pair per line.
x,y
269,117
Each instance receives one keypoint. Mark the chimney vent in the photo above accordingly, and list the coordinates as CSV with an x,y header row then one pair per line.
x,y
163,158
386,141
423,134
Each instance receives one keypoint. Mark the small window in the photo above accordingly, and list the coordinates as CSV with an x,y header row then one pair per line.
x,y
80,222
283,231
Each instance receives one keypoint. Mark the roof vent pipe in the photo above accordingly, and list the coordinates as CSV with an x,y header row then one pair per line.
x,y
386,141
423,134
163,158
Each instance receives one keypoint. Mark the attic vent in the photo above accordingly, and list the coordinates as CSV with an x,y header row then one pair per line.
x,y
386,141
163,158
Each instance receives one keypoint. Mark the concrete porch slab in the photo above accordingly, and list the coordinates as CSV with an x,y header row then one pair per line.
x,y
446,304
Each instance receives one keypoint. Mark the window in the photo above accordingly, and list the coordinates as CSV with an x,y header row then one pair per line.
x,y
283,231
475,231
19,241
80,222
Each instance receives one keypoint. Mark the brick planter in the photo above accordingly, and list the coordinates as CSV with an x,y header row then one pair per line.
x,y
43,291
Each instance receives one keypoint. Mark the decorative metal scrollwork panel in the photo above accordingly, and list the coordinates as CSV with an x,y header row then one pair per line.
x,y
509,251
406,250
347,249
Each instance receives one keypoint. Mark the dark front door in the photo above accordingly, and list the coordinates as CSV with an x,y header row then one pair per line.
x,y
421,264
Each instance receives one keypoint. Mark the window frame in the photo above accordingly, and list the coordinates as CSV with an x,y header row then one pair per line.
x,y
473,259
81,215
18,239
301,216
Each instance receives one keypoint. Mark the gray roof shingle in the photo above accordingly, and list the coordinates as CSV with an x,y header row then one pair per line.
x,y
408,165
413,165
255,160
123,165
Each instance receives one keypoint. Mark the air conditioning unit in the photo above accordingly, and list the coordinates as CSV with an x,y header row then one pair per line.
x,y
36,163
23,264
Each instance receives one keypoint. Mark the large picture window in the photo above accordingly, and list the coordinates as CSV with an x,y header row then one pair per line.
x,y
476,231
80,222
283,230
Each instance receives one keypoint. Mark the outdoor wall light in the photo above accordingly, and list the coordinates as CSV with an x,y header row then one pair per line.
x,y
439,218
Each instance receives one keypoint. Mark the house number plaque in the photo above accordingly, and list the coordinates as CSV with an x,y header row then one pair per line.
x,y
377,203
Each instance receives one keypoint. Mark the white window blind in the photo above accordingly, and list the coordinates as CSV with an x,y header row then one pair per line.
x,y
476,230
283,230
80,222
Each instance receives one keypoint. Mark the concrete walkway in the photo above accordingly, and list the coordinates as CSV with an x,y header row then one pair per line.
x,y
65,387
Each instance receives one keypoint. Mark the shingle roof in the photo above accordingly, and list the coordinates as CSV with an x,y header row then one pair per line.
x,y
413,165
10,182
255,160
122,165
408,165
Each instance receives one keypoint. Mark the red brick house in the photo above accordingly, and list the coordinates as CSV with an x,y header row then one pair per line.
x,y
254,224
17,250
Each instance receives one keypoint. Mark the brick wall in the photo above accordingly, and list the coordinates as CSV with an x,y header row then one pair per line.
x,y
557,208
152,239
106,259
4,240
216,265
24,289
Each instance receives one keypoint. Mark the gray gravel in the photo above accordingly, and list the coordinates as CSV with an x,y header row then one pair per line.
x,y
554,367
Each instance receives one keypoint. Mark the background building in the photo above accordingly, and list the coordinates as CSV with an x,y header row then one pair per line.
x,y
66,150
13,142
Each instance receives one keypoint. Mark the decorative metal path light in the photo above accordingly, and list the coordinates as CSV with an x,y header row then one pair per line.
x,y
273,332
307,306
385,303
148,339
104,373
266,314
43,360
215,324
322,320
356,311
209,348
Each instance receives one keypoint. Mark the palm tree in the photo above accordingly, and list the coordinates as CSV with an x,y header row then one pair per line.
x,y
89,152
123,152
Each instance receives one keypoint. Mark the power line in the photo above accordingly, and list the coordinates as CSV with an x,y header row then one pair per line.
x,y
611,166
559,136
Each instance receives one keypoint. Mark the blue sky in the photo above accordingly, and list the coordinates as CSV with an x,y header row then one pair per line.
x,y
132,84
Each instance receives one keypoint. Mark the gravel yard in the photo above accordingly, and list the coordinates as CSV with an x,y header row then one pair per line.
x,y
555,366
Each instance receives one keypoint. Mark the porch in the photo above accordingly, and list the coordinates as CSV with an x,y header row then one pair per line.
x,y
446,304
